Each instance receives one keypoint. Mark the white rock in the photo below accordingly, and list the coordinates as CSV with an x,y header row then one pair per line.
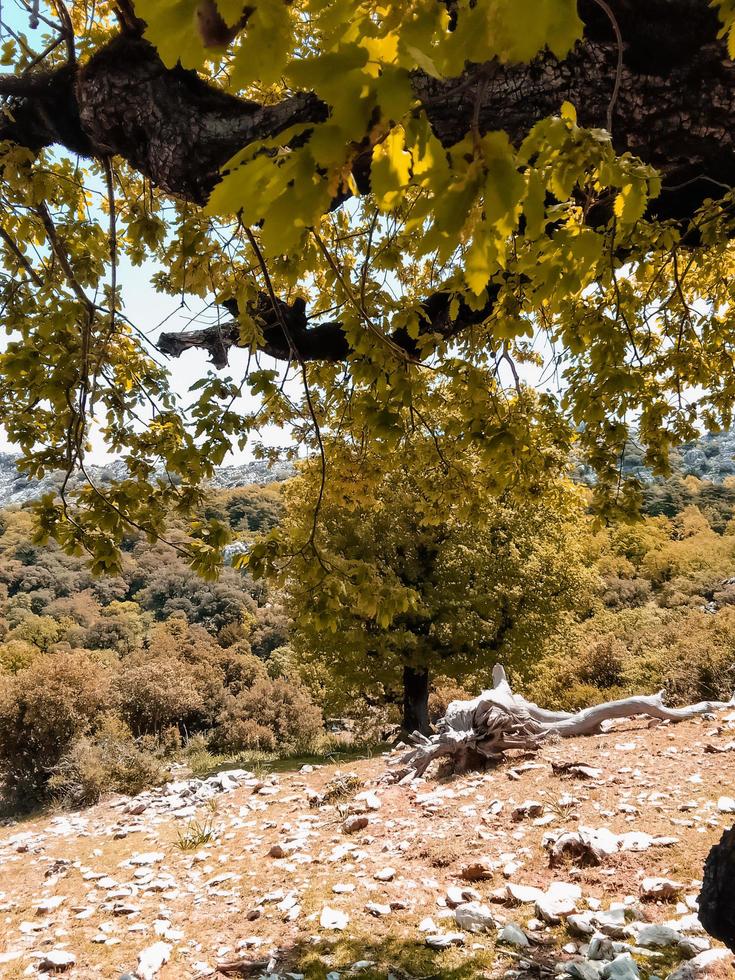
x,y
49,904
726,804
513,935
442,940
581,923
150,857
655,935
385,874
660,889
699,967
151,959
523,894
474,917
558,902
623,967
601,948
333,918
458,896
612,923
581,969
370,800
56,960
376,909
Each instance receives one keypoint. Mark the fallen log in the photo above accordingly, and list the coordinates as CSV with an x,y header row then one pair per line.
x,y
477,732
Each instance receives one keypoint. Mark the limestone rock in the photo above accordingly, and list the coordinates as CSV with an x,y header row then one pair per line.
x,y
151,959
474,917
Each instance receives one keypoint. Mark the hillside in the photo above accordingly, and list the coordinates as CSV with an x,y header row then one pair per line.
x,y
245,876
15,488
712,457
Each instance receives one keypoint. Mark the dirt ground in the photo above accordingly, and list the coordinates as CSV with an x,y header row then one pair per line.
x,y
228,899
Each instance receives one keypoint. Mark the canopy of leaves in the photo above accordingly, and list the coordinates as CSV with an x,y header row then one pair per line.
x,y
395,261
398,582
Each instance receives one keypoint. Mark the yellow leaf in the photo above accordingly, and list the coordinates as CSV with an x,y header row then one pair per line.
x,y
391,169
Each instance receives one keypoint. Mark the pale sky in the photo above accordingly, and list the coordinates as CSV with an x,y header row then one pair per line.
x,y
147,309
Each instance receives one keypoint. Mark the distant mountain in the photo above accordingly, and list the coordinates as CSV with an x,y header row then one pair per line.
x,y
15,488
712,457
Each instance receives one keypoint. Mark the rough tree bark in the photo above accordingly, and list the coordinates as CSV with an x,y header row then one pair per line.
x,y
416,700
717,898
480,731
675,109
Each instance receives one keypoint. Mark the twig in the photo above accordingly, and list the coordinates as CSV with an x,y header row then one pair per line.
x,y
307,392
603,5
20,257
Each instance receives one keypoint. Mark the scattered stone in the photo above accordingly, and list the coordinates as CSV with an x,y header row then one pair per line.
x,y
151,959
580,970
56,961
513,935
558,902
474,917
443,940
699,967
458,896
355,823
660,889
46,905
333,918
529,808
376,909
651,936
479,870
522,894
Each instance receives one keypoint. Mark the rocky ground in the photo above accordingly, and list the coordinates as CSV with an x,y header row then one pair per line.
x,y
532,869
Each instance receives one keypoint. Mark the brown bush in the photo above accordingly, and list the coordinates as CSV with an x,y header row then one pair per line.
x,y
43,708
269,715
108,761
156,692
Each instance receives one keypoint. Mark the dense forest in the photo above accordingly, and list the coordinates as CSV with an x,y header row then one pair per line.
x,y
107,681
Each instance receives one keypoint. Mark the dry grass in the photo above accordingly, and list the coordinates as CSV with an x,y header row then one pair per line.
x,y
425,847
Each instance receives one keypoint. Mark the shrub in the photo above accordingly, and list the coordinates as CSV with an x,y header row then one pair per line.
x,y
443,692
272,714
43,708
603,663
108,761
157,692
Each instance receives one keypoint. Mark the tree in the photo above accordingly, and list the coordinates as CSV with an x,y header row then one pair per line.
x,y
385,199
396,596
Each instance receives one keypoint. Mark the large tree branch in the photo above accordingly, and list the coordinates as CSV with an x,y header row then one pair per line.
x,y
675,109
675,106
325,341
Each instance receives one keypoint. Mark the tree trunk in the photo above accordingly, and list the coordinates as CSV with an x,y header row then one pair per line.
x,y
416,700
717,899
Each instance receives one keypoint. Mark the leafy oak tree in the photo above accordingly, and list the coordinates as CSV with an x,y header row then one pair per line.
x,y
400,590
381,201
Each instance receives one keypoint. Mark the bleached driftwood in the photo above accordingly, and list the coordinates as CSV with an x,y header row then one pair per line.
x,y
476,732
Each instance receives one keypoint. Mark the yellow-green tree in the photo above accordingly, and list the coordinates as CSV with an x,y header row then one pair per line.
x,y
364,194
397,591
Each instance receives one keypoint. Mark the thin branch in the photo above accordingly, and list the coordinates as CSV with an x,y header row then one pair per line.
x,y
20,257
619,69
307,392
